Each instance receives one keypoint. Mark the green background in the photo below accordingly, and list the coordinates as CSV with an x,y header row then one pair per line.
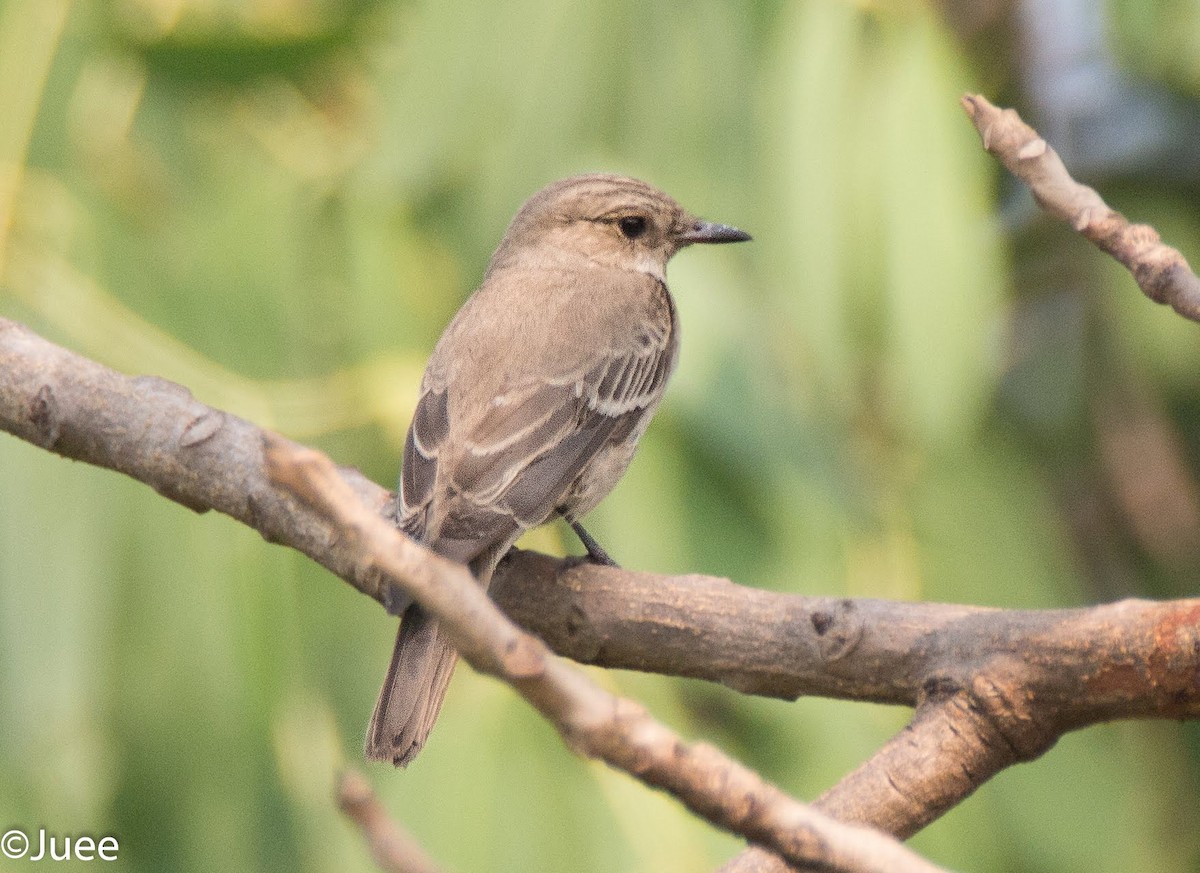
x,y
892,392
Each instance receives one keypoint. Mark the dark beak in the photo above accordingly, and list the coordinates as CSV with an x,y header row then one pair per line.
x,y
709,232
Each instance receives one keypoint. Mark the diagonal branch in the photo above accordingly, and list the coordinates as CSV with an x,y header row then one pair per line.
x,y
1161,272
991,687
203,458
955,742
591,720
391,847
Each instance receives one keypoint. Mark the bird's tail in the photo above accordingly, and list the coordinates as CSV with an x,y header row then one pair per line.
x,y
417,679
419,674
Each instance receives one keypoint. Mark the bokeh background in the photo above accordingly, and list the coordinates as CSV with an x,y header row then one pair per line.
x,y
910,386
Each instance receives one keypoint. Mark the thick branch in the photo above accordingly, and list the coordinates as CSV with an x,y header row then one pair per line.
x,y
1161,271
156,432
1132,659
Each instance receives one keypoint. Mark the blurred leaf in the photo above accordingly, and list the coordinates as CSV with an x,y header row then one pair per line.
x,y
1159,38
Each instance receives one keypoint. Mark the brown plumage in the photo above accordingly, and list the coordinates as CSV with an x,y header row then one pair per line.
x,y
533,401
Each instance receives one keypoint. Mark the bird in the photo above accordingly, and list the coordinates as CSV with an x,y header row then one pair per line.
x,y
533,402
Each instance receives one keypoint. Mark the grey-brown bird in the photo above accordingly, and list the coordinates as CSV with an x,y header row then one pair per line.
x,y
533,402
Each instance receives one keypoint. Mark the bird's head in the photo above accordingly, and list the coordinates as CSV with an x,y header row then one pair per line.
x,y
608,220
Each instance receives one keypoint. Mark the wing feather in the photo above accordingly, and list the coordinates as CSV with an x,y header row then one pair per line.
x,y
418,472
532,476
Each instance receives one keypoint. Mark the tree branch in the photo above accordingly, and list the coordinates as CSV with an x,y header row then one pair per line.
x,y
1049,672
940,758
1161,272
1002,684
1131,659
991,687
592,721
156,432
203,458
392,848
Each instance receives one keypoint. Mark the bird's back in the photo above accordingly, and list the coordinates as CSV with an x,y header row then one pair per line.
x,y
520,402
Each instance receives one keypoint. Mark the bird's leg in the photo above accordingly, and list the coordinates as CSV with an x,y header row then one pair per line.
x,y
395,600
595,551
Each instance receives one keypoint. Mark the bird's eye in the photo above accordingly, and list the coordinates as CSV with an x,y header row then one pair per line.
x,y
632,226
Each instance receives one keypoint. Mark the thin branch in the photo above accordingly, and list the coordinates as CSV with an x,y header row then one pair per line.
x,y
392,848
1161,272
592,721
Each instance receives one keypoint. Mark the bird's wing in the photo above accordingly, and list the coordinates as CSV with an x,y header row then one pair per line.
x,y
516,458
418,471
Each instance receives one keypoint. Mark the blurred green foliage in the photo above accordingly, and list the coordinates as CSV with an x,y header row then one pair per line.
x,y
279,203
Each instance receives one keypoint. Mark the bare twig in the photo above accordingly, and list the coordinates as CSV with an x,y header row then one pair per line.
x,y
391,846
1161,271
591,720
